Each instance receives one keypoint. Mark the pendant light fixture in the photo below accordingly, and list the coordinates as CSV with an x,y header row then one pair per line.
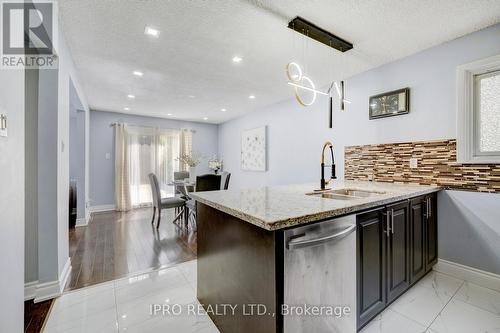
x,y
301,82
295,74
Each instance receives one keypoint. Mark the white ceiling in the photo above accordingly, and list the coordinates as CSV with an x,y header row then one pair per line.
x,y
192,56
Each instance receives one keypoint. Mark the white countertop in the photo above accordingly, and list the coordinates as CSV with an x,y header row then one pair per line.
x,y
277,207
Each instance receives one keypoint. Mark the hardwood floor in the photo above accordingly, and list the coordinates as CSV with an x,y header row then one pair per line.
x,y
34,315
115,245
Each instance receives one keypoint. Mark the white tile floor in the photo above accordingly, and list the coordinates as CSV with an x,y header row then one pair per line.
x,y
440,303
437,304
125,305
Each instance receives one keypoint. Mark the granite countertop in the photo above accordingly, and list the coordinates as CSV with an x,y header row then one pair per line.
x,y
278,207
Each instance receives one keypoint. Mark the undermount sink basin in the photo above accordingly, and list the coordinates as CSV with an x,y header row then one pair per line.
x,y
329,195
355,192
345,194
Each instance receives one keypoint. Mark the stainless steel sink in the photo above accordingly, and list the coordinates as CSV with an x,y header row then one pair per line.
x,y
355,192
329,195
345,194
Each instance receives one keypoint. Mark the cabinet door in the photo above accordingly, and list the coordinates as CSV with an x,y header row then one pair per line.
x,y
398,277
417,238
431,233
371,234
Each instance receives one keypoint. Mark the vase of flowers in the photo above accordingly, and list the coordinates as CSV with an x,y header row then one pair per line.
x,y
215,164
191,160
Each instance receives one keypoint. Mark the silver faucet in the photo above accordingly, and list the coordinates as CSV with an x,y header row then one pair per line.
x,y
324,182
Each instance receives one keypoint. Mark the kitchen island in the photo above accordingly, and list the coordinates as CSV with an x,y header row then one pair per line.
x,y
253,258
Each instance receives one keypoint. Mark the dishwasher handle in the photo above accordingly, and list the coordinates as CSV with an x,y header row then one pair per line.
x,y
298,244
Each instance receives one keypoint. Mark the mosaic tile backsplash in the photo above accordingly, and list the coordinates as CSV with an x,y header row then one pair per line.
x,y
436,166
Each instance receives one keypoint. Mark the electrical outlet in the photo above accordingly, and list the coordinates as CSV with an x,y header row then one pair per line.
x,y
3,125
413,163
108,156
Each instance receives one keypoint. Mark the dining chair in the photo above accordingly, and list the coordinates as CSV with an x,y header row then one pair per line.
x,y
208,182
160,203
179,176
190,204
226,176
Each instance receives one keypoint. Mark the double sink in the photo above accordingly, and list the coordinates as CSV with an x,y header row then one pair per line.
x,y
345,194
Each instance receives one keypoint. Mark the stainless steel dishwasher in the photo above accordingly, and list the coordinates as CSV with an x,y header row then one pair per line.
x,y
320,272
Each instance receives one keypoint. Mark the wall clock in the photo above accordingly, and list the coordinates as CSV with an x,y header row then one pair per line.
x,y
390,104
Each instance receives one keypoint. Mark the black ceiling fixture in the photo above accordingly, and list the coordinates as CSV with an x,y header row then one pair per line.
x,y
321,35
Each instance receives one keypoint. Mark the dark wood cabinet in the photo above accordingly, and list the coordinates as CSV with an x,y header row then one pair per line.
x,y
417,238
398,277
371,244
396,246
423,235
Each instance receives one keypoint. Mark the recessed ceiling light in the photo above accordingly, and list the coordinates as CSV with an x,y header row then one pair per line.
x,y
191,96
169,114
223,110
237,59
130,96
205,118
126,109
138,73
152,32
251,96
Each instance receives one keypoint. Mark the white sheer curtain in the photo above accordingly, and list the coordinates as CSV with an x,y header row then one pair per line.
x,y
148,150
122,193
186,146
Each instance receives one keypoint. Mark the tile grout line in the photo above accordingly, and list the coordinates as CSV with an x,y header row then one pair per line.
x,y
444,307
434,289
405,316
116,308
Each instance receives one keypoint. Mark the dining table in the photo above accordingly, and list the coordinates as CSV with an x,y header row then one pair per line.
x,y
186,183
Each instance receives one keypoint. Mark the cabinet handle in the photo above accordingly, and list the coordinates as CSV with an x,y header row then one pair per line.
x,y
392,221
426,208
429,207
387,223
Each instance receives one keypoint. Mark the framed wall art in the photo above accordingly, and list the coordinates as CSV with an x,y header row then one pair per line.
x,y
253,149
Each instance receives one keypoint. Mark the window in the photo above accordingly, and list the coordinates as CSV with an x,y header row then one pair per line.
x,y
151,150
478,107
145,150
487,113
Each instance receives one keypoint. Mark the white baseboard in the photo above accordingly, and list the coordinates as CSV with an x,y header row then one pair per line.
x,y
102,208
63,278
47,290
469,274
30,290
81,222
52,289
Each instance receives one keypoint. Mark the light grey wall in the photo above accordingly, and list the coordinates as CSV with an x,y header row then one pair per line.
x,y
31,178
48,146
66,74
469,229
12,102
77,148
295,134
102,175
